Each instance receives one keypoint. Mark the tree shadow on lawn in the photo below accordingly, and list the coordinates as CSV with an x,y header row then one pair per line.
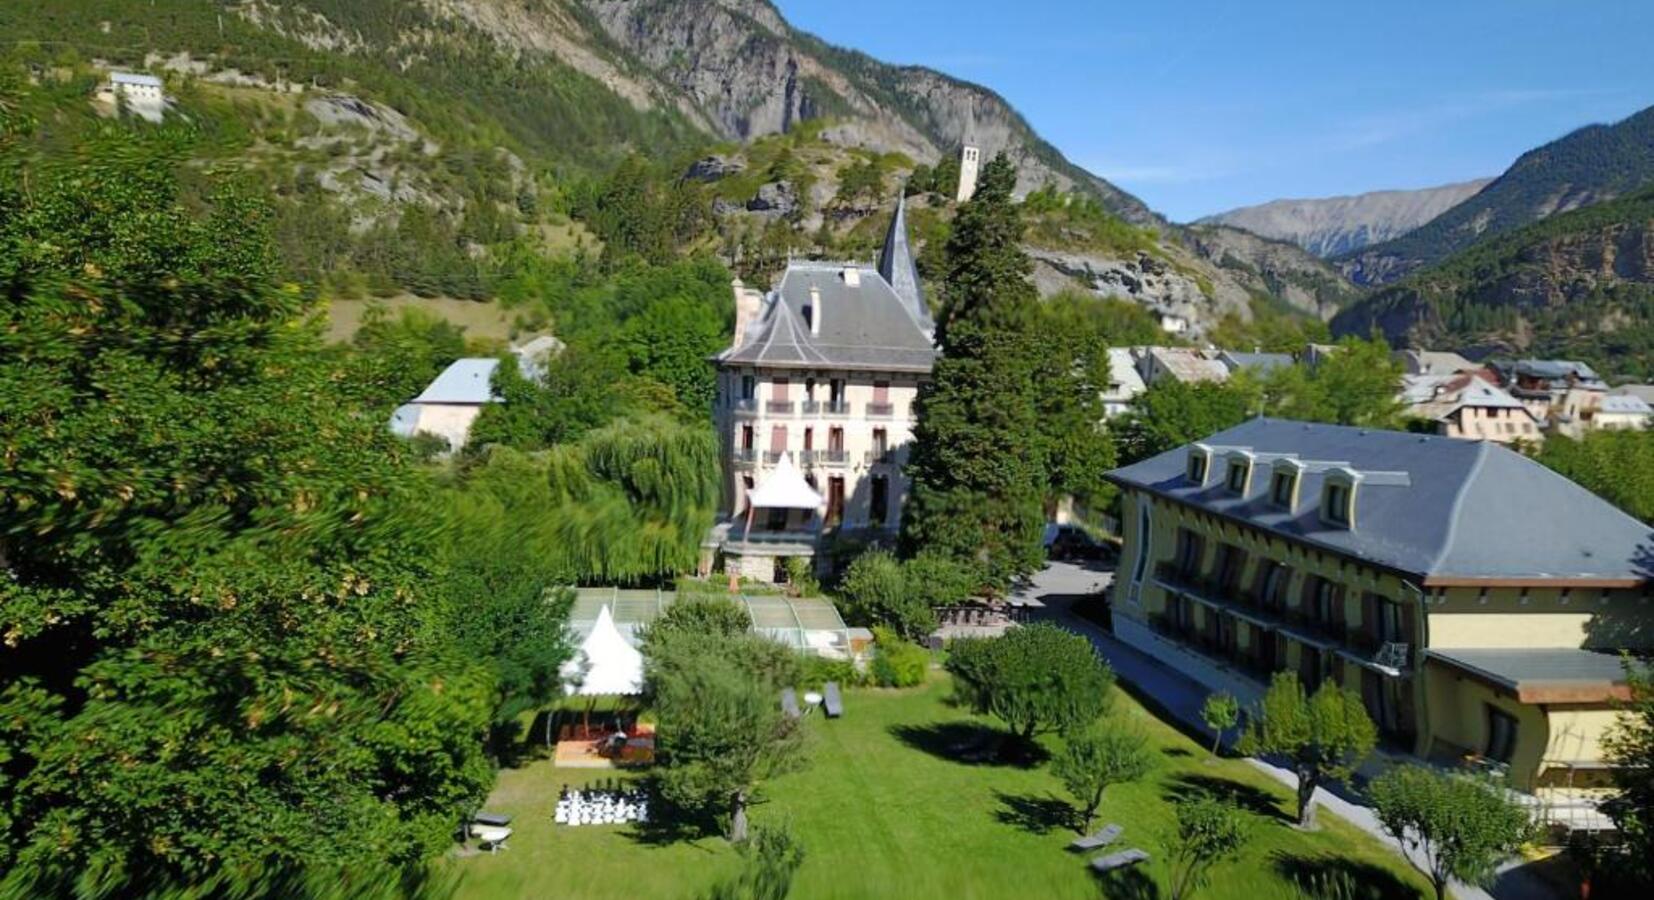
x,y
970,743
1336,876
1191,785
1130,883
1035,814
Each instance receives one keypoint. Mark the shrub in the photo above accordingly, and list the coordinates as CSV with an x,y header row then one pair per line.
x,y
876,592
1037,678
815,671
898,663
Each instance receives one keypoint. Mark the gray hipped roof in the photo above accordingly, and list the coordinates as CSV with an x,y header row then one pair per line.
x,y
861,326
1434,507
898,268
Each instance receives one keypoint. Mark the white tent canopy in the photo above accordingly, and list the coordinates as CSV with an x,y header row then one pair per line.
x,y
784,488
606,664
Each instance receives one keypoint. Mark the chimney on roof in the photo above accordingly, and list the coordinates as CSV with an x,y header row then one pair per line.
x,y
748,302
812,312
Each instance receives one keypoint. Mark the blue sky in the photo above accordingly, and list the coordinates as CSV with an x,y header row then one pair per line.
x,y
1199,106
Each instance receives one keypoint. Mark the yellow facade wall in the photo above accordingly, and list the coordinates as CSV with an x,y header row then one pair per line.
x,y
1458,715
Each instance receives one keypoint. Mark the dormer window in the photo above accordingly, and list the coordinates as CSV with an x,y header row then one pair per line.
x,y
1238,479
1200,459
1337,506
1338,497
1283,484
1282,488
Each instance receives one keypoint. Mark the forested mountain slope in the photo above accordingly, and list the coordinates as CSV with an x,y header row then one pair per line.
x,y
433,147
1591,165
1578,285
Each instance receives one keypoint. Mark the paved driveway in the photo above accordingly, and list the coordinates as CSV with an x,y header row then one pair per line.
x,y
1053,594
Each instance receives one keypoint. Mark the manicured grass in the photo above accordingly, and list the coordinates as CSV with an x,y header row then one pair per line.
x,y
888,808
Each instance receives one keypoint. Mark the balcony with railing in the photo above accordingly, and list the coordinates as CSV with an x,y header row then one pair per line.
x,y
881,410
826,457
829,408
780,407
1389,657
745,407
744,456
890,456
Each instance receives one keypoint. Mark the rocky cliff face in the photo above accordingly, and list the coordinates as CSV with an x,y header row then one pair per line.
x,y
1331,226
753,75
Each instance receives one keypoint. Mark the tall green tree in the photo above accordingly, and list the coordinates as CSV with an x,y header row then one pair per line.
x,y
220,601
1455,825
720,729
1170,414
1618,466
1326,735
980,458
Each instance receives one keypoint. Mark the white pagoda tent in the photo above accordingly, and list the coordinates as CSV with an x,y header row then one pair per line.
x,y
606,664
783,488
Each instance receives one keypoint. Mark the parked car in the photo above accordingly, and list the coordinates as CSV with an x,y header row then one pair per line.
x,y
1074,542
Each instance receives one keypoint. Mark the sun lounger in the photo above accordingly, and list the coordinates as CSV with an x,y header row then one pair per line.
x,y
499,820
789,703
1117,860
831,701
493,839
1097,839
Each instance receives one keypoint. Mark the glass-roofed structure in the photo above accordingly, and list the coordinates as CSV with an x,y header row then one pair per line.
x,y
808,624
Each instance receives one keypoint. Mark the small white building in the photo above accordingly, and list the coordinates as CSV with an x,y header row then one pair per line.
x,y
1622,412
1124,382
450,405
970,167
143,95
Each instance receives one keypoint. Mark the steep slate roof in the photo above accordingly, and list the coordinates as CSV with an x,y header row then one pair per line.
x,y
1189,366
1442,508
1433,362
898,268
862,326
465,381
1262,363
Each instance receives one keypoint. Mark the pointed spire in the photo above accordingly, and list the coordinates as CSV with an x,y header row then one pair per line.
x,y
897,266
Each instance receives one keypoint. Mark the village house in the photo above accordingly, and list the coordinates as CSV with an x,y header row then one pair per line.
x,y
1183,364
815,407
1432,362
1561,394
451,403
1415,570
1467,405
1621,412
142,95
1124,382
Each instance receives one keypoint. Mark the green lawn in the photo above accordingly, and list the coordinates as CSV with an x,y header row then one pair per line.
x,y
886,808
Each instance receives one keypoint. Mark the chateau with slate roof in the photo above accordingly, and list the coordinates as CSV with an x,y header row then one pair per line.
x,y
823,372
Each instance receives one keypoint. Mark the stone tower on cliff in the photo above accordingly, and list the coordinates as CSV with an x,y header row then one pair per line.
x,y
970,161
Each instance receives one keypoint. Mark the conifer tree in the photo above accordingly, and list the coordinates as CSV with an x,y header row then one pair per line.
x,y
979,462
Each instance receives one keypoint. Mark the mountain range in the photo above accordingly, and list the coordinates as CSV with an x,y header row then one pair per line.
x,y
1332,226
1577,285
1592,165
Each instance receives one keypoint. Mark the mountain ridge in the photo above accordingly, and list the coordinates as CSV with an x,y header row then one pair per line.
x,y
1592,164
1332,226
